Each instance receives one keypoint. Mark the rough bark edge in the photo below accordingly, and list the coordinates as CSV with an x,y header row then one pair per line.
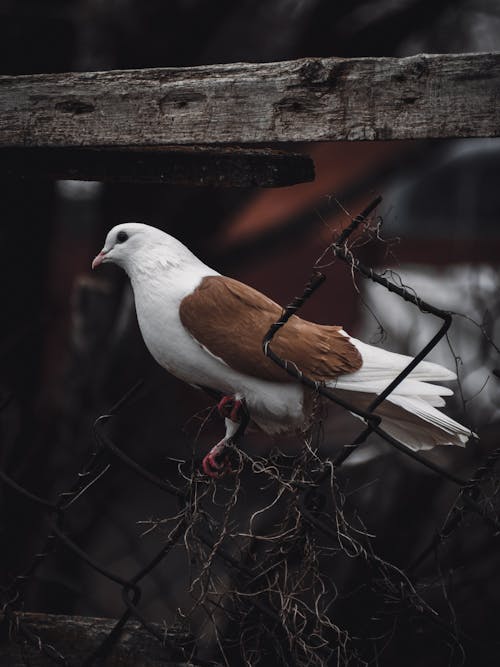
x,y
312,99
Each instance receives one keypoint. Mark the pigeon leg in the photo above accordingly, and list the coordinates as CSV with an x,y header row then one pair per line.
x,y
231,408
216,463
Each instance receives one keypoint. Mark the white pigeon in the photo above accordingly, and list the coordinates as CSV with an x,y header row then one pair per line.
x,y
207,330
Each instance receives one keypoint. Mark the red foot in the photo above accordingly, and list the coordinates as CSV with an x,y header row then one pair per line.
x,y
216,463
231,408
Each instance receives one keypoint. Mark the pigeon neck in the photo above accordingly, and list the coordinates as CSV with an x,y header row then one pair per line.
x,y
171,273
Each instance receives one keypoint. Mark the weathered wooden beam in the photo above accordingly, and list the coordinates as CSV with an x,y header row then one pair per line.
x,y
76,637
180,165
313,99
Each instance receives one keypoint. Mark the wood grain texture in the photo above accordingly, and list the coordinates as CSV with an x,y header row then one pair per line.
x,y
75,637
313,99
179,165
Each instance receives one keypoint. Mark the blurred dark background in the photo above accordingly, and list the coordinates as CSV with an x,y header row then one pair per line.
x,y
71,347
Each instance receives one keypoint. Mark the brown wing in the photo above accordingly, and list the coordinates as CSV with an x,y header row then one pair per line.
x,y
230,319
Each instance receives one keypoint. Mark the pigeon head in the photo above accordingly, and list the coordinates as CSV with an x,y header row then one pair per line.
x,y
133,245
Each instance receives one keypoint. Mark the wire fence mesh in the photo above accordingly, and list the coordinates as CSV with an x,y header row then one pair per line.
x,y
263,587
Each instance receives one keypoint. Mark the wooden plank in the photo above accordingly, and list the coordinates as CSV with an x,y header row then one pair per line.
x,y
223,166
76,637
321,99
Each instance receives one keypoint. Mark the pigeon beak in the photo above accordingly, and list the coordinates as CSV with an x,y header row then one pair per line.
x,y
98,259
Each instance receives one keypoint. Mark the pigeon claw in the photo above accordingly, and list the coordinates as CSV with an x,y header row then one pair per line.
x,y
231,408
216,463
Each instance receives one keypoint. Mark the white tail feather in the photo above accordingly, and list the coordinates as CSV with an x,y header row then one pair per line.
x,y
417,424
383,366
413,421
408,387
409,413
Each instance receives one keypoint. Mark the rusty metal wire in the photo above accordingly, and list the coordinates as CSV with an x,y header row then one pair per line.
x,y
263,583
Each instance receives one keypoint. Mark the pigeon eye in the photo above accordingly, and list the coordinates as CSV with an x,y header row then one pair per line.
x,y
121,237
